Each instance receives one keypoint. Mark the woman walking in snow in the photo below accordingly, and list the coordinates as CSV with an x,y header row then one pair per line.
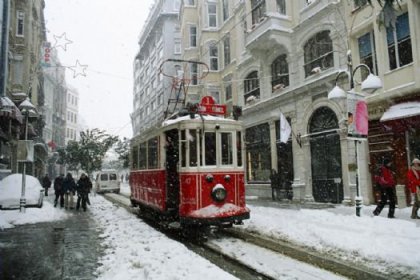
x,y
386,182
413,183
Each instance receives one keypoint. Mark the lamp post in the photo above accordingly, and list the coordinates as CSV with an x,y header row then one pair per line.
x,y
370,85
29,110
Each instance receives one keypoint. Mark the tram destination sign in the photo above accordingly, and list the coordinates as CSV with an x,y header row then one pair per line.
x,y
208,106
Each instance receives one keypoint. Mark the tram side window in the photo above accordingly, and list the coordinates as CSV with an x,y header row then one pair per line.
x,y
143,156
239,147
153,153
192,137
227,148
183,149
135,158
210,148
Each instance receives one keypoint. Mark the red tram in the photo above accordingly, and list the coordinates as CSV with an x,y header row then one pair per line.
x,y
190,170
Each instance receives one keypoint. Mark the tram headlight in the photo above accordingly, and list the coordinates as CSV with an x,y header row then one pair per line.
x,y
219,193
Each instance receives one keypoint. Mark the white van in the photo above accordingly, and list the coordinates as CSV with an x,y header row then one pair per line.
x,y
107,181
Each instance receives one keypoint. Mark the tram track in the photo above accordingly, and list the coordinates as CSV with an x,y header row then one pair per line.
x,y
206,248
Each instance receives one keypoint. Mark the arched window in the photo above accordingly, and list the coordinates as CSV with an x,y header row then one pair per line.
x,y
280,72
251,86
318,53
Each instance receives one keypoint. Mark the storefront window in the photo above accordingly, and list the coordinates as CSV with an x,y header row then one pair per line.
x,y
258,153
414,143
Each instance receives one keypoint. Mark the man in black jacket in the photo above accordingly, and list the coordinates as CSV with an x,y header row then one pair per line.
x,y
58,188
83,188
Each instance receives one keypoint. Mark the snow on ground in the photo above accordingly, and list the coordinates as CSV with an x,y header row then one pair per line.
x,y
135,249
382,243
271,263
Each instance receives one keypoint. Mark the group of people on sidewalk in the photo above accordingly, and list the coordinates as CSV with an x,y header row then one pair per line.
x,y
65,189
385,180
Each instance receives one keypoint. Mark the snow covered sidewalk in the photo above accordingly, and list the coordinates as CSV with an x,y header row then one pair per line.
x,y
387,245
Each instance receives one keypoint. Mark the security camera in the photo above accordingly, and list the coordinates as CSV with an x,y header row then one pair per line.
x,y
217,126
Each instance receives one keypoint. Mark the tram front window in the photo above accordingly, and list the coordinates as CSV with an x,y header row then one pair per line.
x,y
210,148
227,148
193,147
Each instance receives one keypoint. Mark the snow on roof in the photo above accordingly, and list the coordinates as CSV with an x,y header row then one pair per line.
x,y
403,110
197,117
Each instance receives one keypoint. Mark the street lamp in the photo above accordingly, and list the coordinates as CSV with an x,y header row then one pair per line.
x,y
369,85
28,110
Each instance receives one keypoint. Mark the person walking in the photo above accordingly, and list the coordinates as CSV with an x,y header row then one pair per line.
x,y
413,183
69,187
46,183
386,182
59,191
83,188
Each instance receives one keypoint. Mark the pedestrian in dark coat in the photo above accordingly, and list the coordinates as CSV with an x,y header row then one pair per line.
x,y
386,182
46,183
69,187
83,188
413,183
59,190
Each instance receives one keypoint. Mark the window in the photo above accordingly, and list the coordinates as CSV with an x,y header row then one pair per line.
x,y
177,4
399,53
251,86
228,89
153,155
194,73
212,14
318,52
225,9
258,11
281,6
359,3
226,49
143,156
280,72
239,147
20,23
367,53
193,142
227,148
189,2
214,58
210,148
177,47
193,36
258,154
216,96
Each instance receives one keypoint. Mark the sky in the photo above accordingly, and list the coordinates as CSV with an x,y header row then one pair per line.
x,y
134,248
99,37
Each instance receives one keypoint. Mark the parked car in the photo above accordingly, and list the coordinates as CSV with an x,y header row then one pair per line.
x,y
107,181
11,191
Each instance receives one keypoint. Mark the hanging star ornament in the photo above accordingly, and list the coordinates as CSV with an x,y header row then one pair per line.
x,y
78,69
62,41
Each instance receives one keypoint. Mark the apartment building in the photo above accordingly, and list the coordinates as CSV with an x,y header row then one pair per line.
x,y
159,40
72,114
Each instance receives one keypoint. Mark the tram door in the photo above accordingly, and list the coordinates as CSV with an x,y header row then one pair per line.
x,y
326,157
172,176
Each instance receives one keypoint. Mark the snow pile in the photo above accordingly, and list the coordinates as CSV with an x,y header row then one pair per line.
x,y
11,190
11,218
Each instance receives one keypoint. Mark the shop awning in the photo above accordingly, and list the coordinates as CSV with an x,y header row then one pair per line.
x,y
401,111
9,109
400,117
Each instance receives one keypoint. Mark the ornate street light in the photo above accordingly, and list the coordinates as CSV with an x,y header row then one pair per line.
x,y
369,85
28,110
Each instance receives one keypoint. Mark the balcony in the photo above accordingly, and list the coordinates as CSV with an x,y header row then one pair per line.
x,y
269,32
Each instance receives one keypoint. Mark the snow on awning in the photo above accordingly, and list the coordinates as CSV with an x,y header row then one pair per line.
x,y
401,111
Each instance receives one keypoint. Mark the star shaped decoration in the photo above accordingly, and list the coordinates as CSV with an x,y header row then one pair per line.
x,y
62,41
78,69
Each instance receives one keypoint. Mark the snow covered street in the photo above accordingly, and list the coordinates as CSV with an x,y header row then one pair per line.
x,y
134,250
